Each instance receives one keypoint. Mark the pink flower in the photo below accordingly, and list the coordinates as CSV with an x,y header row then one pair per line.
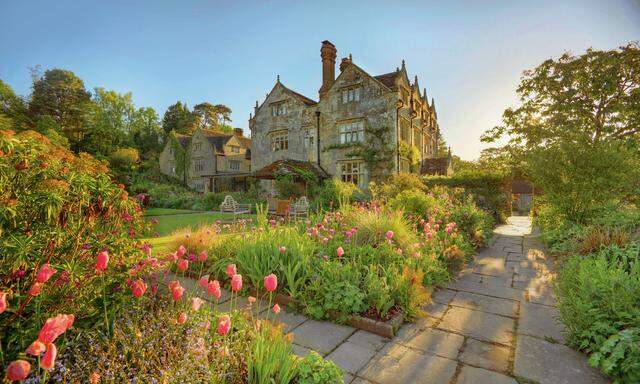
x,y
389,235
183,265
196,302
231,270
282,249
54,327
181,251
236,283
35,289
172,284
49,359
138,288
204,281
276,308
271,282
3,301
213,289
36,348
340,251
18,370
182,318
102,260
224,325
177,293
45,273
202,256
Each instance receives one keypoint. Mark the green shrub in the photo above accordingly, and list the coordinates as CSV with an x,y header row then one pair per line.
x,y
396,184
271,359
313,369
288,188
124,158
336,193
415,202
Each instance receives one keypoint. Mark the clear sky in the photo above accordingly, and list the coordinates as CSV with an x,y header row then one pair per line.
x,y
469,54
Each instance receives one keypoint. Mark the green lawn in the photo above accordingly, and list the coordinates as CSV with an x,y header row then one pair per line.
x,y
168,223
165,211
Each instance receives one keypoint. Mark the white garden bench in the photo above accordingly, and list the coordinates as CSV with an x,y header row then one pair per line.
x,y
230,205
300,208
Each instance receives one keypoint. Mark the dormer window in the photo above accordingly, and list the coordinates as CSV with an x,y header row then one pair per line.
x,y
279,109
235,149
351,94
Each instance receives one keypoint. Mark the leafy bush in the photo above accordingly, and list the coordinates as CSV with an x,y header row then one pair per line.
x,y
58,210
272,359
124,158
396,184
415,202
288,188
336,193
313,369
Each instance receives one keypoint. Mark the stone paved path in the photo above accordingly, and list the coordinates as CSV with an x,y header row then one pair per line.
x,y
496,324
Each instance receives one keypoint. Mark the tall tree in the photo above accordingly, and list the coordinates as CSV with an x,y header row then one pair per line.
x,y
110,122
146,130
178,118
13,107
62,95
224,114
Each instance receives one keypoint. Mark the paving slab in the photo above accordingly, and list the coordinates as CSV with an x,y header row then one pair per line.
x,y
368,340
401,365
435,310
290,320
488,290
479,325
540,321
299,350
351,357
473,375
442,295
549,363
483,303
321,336
486,355
491,266
433,341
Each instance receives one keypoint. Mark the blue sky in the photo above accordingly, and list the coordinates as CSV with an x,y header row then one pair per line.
x,y
469,54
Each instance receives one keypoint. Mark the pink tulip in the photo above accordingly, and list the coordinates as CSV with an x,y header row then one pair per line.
x,y
45,273
340,251
138,288
35,289
202,256
282,249
236,283
276,309
3,301
271,282
49,359
204,281
18,370
102,260
213,289
181,251
54,327
36,348
182,318
177,293
183,265
231,270
196,302
389,235
224,325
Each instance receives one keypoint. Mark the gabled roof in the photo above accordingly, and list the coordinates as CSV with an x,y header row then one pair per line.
x,y
245,141
388,79
307,101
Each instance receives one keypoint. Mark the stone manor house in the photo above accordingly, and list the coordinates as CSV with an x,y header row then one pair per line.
x,y
327,137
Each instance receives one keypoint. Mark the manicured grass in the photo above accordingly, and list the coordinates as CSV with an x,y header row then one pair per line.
x,y
165,211
169,223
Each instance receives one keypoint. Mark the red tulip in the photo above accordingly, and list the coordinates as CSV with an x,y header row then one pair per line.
x,y
389,235
182,318
18,370
224,325
49,359
35,289
204,281
183,264
181,251
282,249
172,284
177,293
271,282
340,251
213,289
276,308
236,283
3,301
138,288
54,327
196,302
45,273
102,260
231,270
203,256
36,348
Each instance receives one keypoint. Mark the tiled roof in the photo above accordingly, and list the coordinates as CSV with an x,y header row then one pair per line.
x,y
303,98
388,79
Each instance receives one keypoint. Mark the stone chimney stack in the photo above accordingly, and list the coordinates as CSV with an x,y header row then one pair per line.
x,y
328,55
238,132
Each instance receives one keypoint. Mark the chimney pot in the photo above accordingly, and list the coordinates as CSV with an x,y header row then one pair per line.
x,y
328,54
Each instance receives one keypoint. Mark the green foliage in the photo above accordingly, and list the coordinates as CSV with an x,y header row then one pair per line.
x,y
313,369
287,187
397,183
619,356
271,359
124,158
336,193
415,202
179,119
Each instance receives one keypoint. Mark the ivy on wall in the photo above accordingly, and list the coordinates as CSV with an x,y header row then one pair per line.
x,y
181,157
